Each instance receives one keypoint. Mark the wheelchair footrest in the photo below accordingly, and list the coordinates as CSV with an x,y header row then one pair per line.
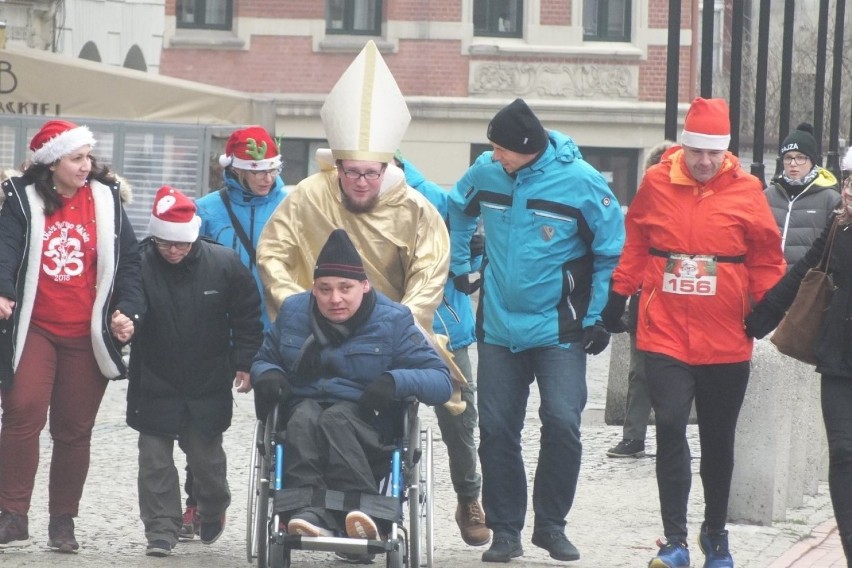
x,y
340,544
377,506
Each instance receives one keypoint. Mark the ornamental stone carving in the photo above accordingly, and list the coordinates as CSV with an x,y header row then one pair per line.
x,y
555,80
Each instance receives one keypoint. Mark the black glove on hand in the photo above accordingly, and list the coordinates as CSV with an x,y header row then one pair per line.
x,y
595,338
477,245
272,386
462,283
613,312
379,396
763,318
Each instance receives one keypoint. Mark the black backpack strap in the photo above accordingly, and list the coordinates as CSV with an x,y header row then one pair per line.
x,y
238,228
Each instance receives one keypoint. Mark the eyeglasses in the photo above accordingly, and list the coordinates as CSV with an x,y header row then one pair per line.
x,y
370,176
798,160
166,245
263,173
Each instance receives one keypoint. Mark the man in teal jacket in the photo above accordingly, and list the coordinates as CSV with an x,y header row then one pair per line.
x,y
553,235
454,319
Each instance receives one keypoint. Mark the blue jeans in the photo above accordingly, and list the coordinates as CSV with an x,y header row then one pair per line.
x,y
504,385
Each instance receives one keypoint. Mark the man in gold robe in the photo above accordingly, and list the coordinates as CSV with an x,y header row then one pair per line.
x,y
402,239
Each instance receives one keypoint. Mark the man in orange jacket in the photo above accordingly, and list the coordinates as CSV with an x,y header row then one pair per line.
x,y
702,245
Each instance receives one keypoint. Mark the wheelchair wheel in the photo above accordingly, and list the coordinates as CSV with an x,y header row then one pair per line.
x,y
428,526
255,473
421,532
396,558
264,504
279,556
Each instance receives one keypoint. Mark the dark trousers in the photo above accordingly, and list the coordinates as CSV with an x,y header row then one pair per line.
x,y
159,485
718,391
837,414
60,377
457,433
638,410
331,447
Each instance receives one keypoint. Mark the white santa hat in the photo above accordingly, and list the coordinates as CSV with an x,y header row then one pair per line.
x,y
173,218
57,139
707,125
365,115
251,148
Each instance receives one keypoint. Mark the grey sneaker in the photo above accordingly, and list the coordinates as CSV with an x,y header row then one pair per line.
x,y
628,449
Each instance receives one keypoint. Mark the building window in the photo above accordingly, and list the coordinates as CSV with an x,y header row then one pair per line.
x,y
477,149
498,18
606,20
358,17
619,166
204,14
299,158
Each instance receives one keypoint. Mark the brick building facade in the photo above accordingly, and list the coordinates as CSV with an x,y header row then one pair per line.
x,y
595,69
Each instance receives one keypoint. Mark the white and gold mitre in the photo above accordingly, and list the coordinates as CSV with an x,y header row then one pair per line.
x,y
365,115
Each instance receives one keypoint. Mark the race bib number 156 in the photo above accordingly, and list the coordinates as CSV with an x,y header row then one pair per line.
x,y
690,274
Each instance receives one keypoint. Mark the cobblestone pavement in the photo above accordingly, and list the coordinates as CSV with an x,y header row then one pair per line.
x,y
614,522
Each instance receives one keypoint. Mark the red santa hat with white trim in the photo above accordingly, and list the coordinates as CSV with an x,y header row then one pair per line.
x,y
57,139
251,148
707,125
173,217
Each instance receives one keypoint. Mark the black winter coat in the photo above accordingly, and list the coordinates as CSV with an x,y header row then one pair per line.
x,y
202,325
22,225
834,344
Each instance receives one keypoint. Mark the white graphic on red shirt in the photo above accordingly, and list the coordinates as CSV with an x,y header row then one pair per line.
x,y
63,250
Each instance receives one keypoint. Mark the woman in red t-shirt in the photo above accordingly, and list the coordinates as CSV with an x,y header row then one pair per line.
x,y
70,292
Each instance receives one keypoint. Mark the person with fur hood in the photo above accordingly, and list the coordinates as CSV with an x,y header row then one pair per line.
x,y
70,299
804,196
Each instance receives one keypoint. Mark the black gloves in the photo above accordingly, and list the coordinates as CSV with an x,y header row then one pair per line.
x,y
764,317
272,386
477,245
379,396
464,285
613,312
595,339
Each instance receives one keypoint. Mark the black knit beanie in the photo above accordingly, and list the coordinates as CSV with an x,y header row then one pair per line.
x,y
516,128
802,140
338,257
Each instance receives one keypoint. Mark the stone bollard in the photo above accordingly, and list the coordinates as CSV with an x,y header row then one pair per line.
x,y
616,390
780,452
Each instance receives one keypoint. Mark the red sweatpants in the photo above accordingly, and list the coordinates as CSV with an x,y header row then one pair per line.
x,y
59,374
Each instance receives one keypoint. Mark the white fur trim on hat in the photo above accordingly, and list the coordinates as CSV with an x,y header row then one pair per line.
x,y
705,141
847,160
176,232
62,145
250,165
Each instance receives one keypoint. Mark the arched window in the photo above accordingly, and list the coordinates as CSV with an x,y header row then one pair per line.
x,y
135,59
90,52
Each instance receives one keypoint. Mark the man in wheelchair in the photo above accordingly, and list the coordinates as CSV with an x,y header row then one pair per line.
x,y
335,356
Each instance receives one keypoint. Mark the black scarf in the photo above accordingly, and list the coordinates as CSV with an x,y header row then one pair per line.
x,y
325,333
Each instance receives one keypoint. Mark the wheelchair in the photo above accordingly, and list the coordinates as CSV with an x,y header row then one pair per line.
x,y
408,485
